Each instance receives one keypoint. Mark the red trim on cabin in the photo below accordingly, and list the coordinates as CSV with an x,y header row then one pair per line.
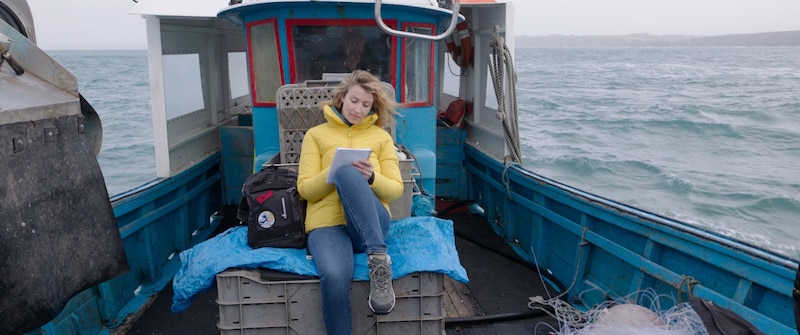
x,y
338,22
290,49
265,104
416,104
274,21
431,63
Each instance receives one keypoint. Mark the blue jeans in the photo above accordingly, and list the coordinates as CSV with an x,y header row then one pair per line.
x,y
333,247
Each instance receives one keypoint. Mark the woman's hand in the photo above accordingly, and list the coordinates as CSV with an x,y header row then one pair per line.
x,y
365,167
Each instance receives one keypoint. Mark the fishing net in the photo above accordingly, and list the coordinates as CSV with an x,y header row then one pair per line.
x,y
639,313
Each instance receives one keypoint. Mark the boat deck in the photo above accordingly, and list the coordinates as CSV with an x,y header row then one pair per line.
x,y
493,302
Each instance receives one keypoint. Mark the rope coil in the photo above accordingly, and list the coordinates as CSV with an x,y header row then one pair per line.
x,y
504,80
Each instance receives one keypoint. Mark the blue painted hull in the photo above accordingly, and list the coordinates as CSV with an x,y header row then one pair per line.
x,y
608,250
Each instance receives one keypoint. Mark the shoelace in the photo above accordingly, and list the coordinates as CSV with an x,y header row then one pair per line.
x,y
380,275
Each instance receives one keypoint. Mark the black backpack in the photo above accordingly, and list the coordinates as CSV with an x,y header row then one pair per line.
x,y
272,209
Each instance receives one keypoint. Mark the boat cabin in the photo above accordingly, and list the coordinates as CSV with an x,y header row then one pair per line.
x,y
264,45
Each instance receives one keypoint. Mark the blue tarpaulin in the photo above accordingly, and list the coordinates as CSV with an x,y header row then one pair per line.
x,y
416,244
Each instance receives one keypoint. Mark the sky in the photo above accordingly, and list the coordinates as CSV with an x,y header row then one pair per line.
x,y
107,24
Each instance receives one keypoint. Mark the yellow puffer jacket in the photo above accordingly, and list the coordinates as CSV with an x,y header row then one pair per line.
x,y
319,146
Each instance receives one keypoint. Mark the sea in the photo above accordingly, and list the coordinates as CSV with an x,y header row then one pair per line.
x,y
709,136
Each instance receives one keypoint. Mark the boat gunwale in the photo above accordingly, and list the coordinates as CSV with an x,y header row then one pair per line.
x,y
729,242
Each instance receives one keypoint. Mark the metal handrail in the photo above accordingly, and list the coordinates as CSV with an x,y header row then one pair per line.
x,y
390,31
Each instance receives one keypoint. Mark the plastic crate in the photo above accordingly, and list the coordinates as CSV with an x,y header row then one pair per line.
x,y
250,304
401,207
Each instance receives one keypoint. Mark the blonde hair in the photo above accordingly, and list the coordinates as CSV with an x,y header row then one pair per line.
x,y
383,104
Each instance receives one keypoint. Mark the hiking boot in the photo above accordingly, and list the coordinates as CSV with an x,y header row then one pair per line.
x,y
381,293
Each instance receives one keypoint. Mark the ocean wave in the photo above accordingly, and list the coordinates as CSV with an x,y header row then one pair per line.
x,y
679,127
609,175
786,204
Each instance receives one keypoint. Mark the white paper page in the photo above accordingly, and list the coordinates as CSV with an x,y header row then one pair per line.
x,y
346,156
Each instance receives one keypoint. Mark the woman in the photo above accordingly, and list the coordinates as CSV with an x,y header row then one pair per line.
x,y
352,214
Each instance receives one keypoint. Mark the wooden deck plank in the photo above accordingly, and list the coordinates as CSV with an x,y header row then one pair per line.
x,y
460,302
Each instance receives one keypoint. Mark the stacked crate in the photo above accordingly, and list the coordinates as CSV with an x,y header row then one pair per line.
x,y
251,303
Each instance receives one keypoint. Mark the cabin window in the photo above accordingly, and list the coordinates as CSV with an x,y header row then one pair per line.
x,y
237,74
323,49
182,85
491,95
451,81
417,67
265,65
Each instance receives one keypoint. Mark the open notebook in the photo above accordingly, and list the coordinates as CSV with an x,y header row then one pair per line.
x,y
345,156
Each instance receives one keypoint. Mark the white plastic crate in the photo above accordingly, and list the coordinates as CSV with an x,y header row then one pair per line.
x,y
252,305
401,208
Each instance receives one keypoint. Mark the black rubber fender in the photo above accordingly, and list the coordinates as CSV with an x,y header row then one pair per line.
x,y
58,233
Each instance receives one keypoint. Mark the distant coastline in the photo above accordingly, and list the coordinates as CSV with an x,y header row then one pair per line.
x,y
771,39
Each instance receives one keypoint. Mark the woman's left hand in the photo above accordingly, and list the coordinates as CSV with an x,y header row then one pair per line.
x,y
365,167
